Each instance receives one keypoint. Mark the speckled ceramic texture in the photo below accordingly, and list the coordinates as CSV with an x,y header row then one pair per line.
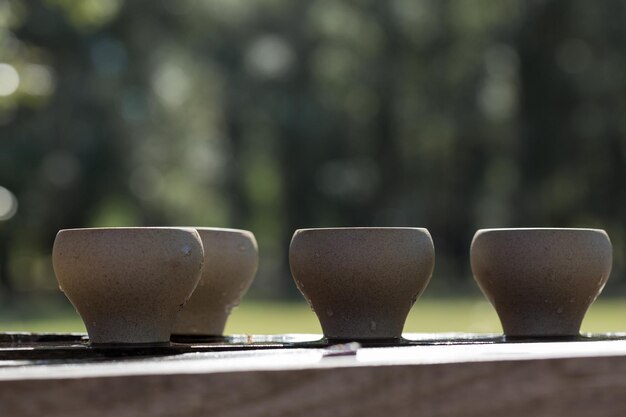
x,y
541,281
362,282
231,260
128,284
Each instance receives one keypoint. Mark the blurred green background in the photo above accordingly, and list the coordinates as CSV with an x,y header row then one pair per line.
x,y
273,115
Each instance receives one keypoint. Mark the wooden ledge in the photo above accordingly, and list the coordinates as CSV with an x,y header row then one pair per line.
x,y
513,379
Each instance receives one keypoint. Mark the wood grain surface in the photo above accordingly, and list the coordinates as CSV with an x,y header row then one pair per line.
x,y
589,379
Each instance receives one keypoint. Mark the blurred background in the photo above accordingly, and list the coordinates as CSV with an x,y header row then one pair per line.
x,y
273,115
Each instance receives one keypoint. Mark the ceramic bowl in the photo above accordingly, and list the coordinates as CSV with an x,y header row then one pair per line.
x,y
231,260
128,284
541,281
362,282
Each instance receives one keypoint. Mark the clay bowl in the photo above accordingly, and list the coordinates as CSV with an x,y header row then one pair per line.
x,y
231,259
362,282
541,281
128,284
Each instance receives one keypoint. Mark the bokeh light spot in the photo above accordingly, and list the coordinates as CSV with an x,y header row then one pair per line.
x,y
38,80
270,56
8,204
171,84
109,57
9,80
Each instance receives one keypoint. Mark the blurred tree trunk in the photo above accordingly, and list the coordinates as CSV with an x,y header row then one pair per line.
x,y
239,205
6,284
388,154
296,140
543,29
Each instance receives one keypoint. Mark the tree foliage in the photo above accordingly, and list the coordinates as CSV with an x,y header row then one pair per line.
x,y
275,115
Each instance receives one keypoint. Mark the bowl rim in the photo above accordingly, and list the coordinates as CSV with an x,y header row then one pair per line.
x,y
540,229
126,229
221,230
357,229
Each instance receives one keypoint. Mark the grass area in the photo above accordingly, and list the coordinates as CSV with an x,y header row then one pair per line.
x,y
256,317
428,315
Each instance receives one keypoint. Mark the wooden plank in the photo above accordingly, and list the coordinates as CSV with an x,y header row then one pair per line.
x,y
521,379
550,387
